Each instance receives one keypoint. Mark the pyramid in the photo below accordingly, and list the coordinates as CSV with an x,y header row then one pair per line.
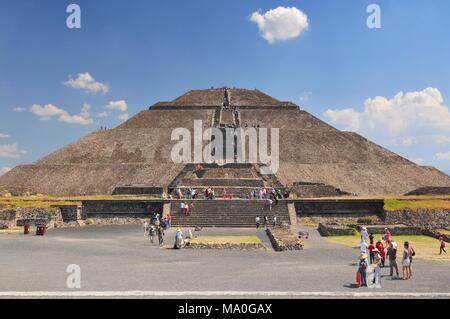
x,y
138,152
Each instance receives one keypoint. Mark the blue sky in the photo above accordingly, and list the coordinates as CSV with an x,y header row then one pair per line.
x,y
146,51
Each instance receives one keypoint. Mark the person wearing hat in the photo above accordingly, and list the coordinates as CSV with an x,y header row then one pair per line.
x,y
362,269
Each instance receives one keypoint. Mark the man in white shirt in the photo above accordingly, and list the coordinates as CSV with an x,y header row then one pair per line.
x,y
363,247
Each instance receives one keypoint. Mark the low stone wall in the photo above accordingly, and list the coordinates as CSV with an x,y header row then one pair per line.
x,y
420,218
339,207
121,209
335,230
396,230
283,239
31,216
7,218
70,213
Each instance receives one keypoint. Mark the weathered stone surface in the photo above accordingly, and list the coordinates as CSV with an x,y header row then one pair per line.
x,y
283,239
334,229
420,218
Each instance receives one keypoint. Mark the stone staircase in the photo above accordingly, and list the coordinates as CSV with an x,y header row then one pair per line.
x,y
227,213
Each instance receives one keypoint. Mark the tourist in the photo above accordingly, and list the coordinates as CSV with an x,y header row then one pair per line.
x,y
231,195
442,245
191,209
169,220
392,255
371,237
274,221
270,203
377,269
363,247
371,253
182,207
258,221
380,247
157,221
178,239
160,232
364,234
362,269
387,235
206,193
224,194
266,221
186,209
164,223
145,226
151,233
406,262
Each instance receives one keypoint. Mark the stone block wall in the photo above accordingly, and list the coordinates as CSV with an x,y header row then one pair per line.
x,y
339,207
421,218
335,230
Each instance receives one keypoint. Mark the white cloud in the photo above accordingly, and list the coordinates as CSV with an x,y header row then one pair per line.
x,y
404,112
11,151
86,82
19,109
117,105
102,115
123,117
441,139
4,170
349,118
442,156
419,161
280,24
49,111
4,135
403,141
46,112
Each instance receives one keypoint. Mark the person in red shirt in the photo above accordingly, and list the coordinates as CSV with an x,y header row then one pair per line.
x,y
169,220
379,245
231,195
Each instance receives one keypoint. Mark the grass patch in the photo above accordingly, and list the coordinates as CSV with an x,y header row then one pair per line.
x,y
226,240
444,231
392,204
12,231
427,248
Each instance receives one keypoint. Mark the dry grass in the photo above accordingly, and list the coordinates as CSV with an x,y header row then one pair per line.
x,y
427,248
12,231
438,202
226,240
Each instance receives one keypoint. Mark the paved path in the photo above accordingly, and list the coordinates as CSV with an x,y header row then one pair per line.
x,y
118,259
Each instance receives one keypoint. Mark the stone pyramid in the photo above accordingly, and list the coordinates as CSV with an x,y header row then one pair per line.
x,y
138,152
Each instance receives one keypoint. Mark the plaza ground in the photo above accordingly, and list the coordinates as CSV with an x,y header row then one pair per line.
x,y
121,260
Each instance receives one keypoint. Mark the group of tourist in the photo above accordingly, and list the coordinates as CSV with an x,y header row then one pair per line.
x,y
186,209
156,227
373,258
266,221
